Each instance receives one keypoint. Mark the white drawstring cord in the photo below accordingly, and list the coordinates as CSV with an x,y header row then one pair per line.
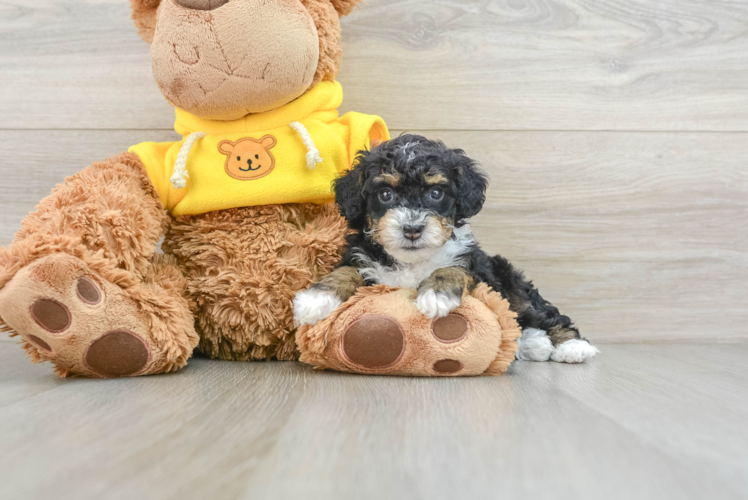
x,y
179,178
312,155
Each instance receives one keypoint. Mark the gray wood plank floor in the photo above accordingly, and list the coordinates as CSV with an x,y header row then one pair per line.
x,y
427,64
647,422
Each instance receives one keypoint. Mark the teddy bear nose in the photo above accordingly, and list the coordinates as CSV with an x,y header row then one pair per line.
x,y
413,232
201,4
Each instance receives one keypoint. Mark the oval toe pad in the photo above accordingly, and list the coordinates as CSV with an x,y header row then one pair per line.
x,y
51,315
450,328
117,354
374,341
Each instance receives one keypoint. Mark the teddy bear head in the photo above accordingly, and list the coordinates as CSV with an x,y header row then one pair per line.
x,y
224,59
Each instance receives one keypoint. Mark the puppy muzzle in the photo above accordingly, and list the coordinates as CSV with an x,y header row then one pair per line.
x,y
410,234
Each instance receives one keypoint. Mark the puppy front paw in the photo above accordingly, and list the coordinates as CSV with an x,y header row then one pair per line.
x,y
433,304
312,306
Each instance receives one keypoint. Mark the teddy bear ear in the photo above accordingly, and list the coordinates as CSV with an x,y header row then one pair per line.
x,y
226,147
268,142
345,7
144,16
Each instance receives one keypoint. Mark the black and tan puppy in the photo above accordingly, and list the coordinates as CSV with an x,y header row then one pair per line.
x,y
409,201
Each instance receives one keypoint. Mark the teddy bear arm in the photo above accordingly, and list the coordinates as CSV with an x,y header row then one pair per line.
x,y
109,207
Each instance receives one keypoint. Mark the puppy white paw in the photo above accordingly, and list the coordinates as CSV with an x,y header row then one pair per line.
x,y
312,306
534,345
434,304
574,351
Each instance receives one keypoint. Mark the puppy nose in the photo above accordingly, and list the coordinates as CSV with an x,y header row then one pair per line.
x,y
201,4
413,232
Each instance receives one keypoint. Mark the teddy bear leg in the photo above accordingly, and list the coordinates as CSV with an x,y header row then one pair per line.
x,y
88,326
81,285
381,331
244,267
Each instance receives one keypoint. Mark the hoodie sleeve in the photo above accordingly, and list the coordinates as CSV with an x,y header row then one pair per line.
x,y
153,155
359,131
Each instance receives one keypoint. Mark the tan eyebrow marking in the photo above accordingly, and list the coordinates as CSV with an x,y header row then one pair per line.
x,y
435,179
389,178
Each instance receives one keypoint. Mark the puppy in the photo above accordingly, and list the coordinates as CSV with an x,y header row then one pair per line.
x,y
408,201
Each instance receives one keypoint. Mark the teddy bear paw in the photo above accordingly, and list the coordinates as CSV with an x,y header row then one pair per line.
x,y
75,319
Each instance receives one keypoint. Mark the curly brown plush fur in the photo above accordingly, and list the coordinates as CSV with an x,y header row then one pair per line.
x,y
243,268
144,17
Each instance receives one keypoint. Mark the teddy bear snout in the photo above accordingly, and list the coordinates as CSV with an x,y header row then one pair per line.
x,y
201,4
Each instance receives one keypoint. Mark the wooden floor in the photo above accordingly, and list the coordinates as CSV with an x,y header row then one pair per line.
x,y
615,133
639,422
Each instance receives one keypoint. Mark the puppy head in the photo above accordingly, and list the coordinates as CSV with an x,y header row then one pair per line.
x,y
409,194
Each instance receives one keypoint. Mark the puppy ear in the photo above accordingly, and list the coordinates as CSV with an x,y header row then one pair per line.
x,y
349,192
144,17
471,186
345,7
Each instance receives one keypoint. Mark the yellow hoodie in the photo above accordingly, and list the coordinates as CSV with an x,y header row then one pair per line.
x,y
288,155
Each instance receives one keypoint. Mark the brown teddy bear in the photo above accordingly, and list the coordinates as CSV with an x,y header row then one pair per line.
x,y
243,201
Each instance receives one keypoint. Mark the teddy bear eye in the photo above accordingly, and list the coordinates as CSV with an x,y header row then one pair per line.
x,y
238,158
257,157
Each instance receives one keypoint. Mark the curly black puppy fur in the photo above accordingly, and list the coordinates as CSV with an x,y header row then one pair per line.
x,y
409,201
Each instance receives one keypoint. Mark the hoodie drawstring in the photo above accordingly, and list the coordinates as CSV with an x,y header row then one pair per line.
x,y
312,155
180,176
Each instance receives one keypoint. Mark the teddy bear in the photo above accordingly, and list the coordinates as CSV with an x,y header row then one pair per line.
x,y
241,205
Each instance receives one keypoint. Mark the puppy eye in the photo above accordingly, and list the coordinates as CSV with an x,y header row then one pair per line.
x,y
436,194
386,195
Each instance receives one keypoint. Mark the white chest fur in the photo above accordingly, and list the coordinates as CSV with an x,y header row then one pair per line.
x,y
410,275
